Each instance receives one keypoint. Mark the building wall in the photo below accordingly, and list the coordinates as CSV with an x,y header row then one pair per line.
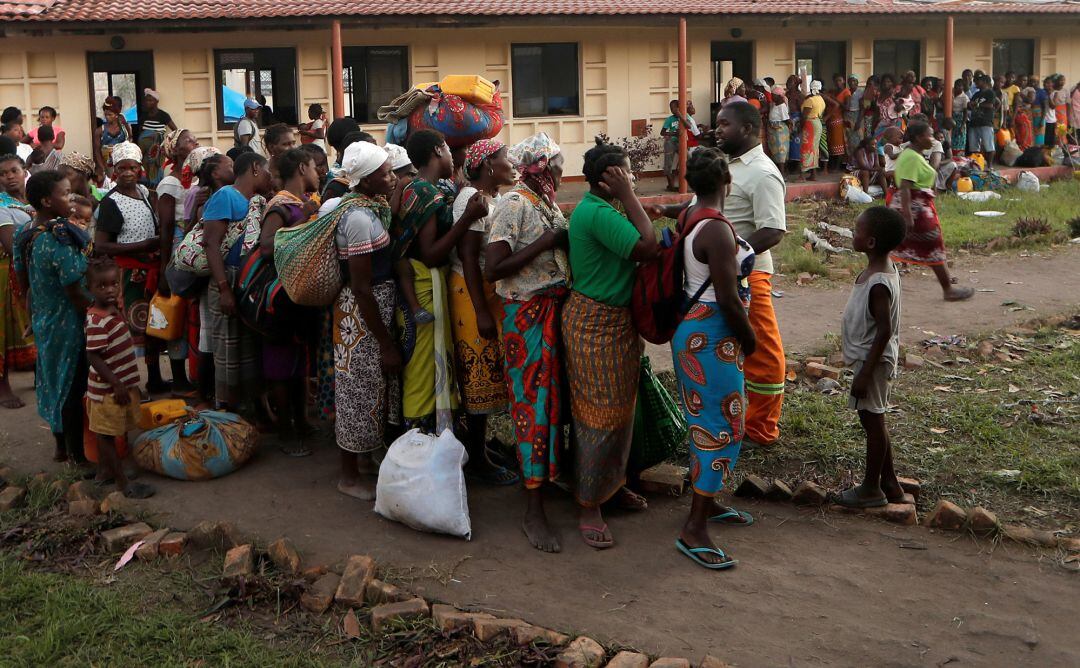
x,y
627,73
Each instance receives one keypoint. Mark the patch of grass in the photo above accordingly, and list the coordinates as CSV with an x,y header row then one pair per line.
x,y
984,432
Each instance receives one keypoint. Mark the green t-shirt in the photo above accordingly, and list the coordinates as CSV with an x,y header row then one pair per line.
x,y
911,166
671,124
601,240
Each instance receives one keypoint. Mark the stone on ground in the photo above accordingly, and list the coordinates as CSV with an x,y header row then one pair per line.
x,y
239,562
584,652
318,597
897,513
1022,534
173,544
284,555
313,573
910,486
664,478
208,535
59,487
947,515
486,629
711,661
809,493
378,592
359,572
779,491
121,538
627,659
83,508
381,615
116,502
83,489
7,474
1069,543
12,497
526,635
149,549
752,487
982,520
449,618
815,370
913,362
669,662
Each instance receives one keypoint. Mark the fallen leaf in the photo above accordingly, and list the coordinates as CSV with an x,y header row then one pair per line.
x,y
351,624
938,430
1013,389
943,388
128,555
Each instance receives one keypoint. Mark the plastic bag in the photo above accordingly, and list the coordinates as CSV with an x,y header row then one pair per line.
x,y
855,195
979,196
422,485
875,191
209,444
659,424
1010,152
1027,182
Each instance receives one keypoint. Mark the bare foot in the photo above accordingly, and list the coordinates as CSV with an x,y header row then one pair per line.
x,y
954,294
11,402
540,534
365,491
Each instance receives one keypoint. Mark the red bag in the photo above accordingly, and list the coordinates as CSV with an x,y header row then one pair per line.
x,y
657,303
461,122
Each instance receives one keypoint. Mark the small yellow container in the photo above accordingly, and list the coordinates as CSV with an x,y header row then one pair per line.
x,y
154,414
469,87
166,318
964,184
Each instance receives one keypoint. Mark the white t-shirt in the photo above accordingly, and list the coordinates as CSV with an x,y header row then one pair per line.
x,y
246,126
481,225
318,124
23,150
778,113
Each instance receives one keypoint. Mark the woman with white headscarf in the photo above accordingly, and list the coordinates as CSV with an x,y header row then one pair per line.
x,y
813,107
366,357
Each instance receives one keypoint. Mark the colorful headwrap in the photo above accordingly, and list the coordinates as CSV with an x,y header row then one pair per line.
x,y
171,139
194,163
733,85
361,159
125,151
531,157
79,162
479,151
399,157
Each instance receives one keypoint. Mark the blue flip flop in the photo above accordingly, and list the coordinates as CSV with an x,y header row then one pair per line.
x,y
731,514
693,553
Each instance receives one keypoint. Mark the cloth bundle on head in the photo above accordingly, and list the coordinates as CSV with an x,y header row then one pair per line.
x,y
194,163
479,151
168,144
361,159
79,162
399,157
125,151
150,92
531,157
815,87
733,85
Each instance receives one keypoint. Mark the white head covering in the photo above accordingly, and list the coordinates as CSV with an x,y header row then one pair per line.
x,y
150,92
399,157
362,159
815,87
125,151
198,156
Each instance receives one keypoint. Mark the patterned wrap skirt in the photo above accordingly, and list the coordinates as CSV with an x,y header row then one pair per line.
x,y
810,146
429,390
924,243
363,394
17,350
603,359
235,346
534,372
779,141
709,370
836,135
795,150
479,361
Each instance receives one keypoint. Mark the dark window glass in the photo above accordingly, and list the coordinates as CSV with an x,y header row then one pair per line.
x,y
374,75
896,56
823,60
1014,55
545,80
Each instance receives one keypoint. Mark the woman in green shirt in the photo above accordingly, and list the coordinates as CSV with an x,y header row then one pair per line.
x,y
914,199
602,347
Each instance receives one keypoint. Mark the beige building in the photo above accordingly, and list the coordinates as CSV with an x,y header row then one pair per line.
x,y
568,67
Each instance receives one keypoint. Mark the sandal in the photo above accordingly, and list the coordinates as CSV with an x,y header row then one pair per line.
x,y
295,449
628,499
849,498
139,490
693,553
592,542
732,517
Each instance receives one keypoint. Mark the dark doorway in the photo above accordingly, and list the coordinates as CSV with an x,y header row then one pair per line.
x,y
121,73
822,60
729,59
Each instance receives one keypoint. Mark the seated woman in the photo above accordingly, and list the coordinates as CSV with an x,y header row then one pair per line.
x,y
866,164
708,350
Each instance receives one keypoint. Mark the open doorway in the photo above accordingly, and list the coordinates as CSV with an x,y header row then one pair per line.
x,y
123,74
729,59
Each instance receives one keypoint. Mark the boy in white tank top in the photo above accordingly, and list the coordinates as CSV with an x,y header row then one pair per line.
x,y
870,334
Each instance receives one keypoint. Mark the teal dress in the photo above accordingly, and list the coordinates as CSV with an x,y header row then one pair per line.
x,y
54,259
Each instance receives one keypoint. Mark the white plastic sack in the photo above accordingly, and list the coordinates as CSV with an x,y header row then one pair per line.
x,y
875,191
422,485
1027,182
857,196
1010,152
979,196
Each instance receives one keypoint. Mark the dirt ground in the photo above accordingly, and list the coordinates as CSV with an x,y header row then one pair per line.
x,y
810,589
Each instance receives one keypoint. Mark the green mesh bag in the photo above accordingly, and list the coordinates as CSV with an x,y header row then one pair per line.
x,y
659,424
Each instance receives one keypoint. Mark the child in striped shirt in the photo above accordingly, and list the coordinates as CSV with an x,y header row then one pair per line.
x,y
113,386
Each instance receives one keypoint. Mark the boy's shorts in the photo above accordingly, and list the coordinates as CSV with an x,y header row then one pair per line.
x,y
877,394
671,156
109,418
